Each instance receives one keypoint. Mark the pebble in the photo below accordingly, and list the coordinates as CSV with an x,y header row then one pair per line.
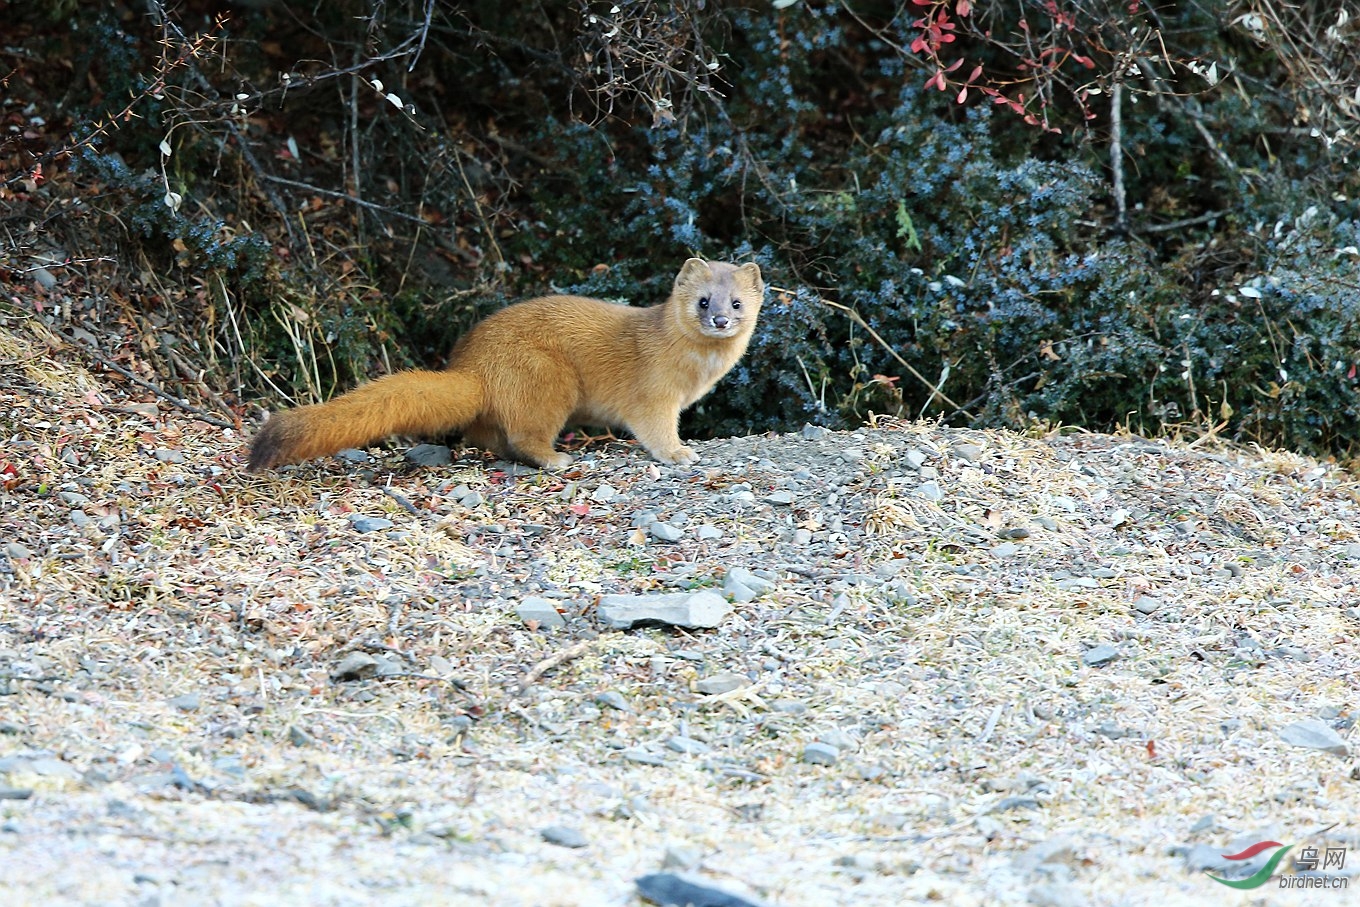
x,y
1146,604
708,532
369,523
355,666
1005,550
541,611
813,432
298,737
782,498
604,493
1018,532
677,856
563,836
914,459
430,455
851,454
189,702
704,609
718,684
1316,735
970,452
820,754
931,491
614,700
165,455
17,551
1352,550
687,745
665,532
352,455
1102,654
744,586
671,890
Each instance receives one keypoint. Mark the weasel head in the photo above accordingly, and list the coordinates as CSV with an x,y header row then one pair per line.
x,y
718,300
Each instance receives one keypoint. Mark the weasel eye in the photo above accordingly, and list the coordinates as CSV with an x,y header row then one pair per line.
x,y
736,303
703,303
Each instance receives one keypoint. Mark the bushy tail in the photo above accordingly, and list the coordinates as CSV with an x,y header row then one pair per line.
x,y
407,403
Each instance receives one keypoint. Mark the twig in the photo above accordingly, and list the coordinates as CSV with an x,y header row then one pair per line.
x,y
554,660
1117,154
185,405
859,320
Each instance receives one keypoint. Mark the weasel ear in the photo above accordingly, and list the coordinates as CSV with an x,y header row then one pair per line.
x,y
751,271
694,270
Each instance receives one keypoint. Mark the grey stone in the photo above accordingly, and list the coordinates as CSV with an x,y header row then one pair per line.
x,y
802,536
189,702
670,889
708,533
298,737
820,754
813,432
1005,550
563,836
665,532
604,493
696,610
914,459
355,666
1146,604
966,451
614,700
1352,550
718,684
1315,734
352,455
165,455
369,523
17,551
1100,655
687,745
782,497
744,586
541,610
931,491
678,856
430,455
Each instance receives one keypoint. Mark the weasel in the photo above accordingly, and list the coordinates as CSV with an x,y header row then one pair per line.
x,y
522,374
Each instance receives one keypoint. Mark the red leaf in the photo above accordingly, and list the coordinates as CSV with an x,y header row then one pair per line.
x,y
977,71
963,96
963,7
579,509
955,65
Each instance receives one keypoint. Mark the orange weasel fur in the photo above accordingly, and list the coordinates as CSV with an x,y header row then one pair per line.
x,y
522,374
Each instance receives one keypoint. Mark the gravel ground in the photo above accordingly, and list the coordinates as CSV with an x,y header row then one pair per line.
x,y
949,666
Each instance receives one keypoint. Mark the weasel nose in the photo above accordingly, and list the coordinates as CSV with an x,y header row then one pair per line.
x,y
720,322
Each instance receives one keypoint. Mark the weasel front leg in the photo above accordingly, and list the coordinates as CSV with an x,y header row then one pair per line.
x,y
658,433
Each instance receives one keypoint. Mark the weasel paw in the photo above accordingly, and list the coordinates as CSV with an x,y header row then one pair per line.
x,y
681,456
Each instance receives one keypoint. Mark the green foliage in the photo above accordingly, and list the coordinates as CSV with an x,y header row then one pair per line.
x,y
979,249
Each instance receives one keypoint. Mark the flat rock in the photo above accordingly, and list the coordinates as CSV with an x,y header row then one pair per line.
x,y
821,754
1100,655
696,610
563,836
665,532
718,684
541,611
369,523
355,666
744,586
671,890
430,455
1315,734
